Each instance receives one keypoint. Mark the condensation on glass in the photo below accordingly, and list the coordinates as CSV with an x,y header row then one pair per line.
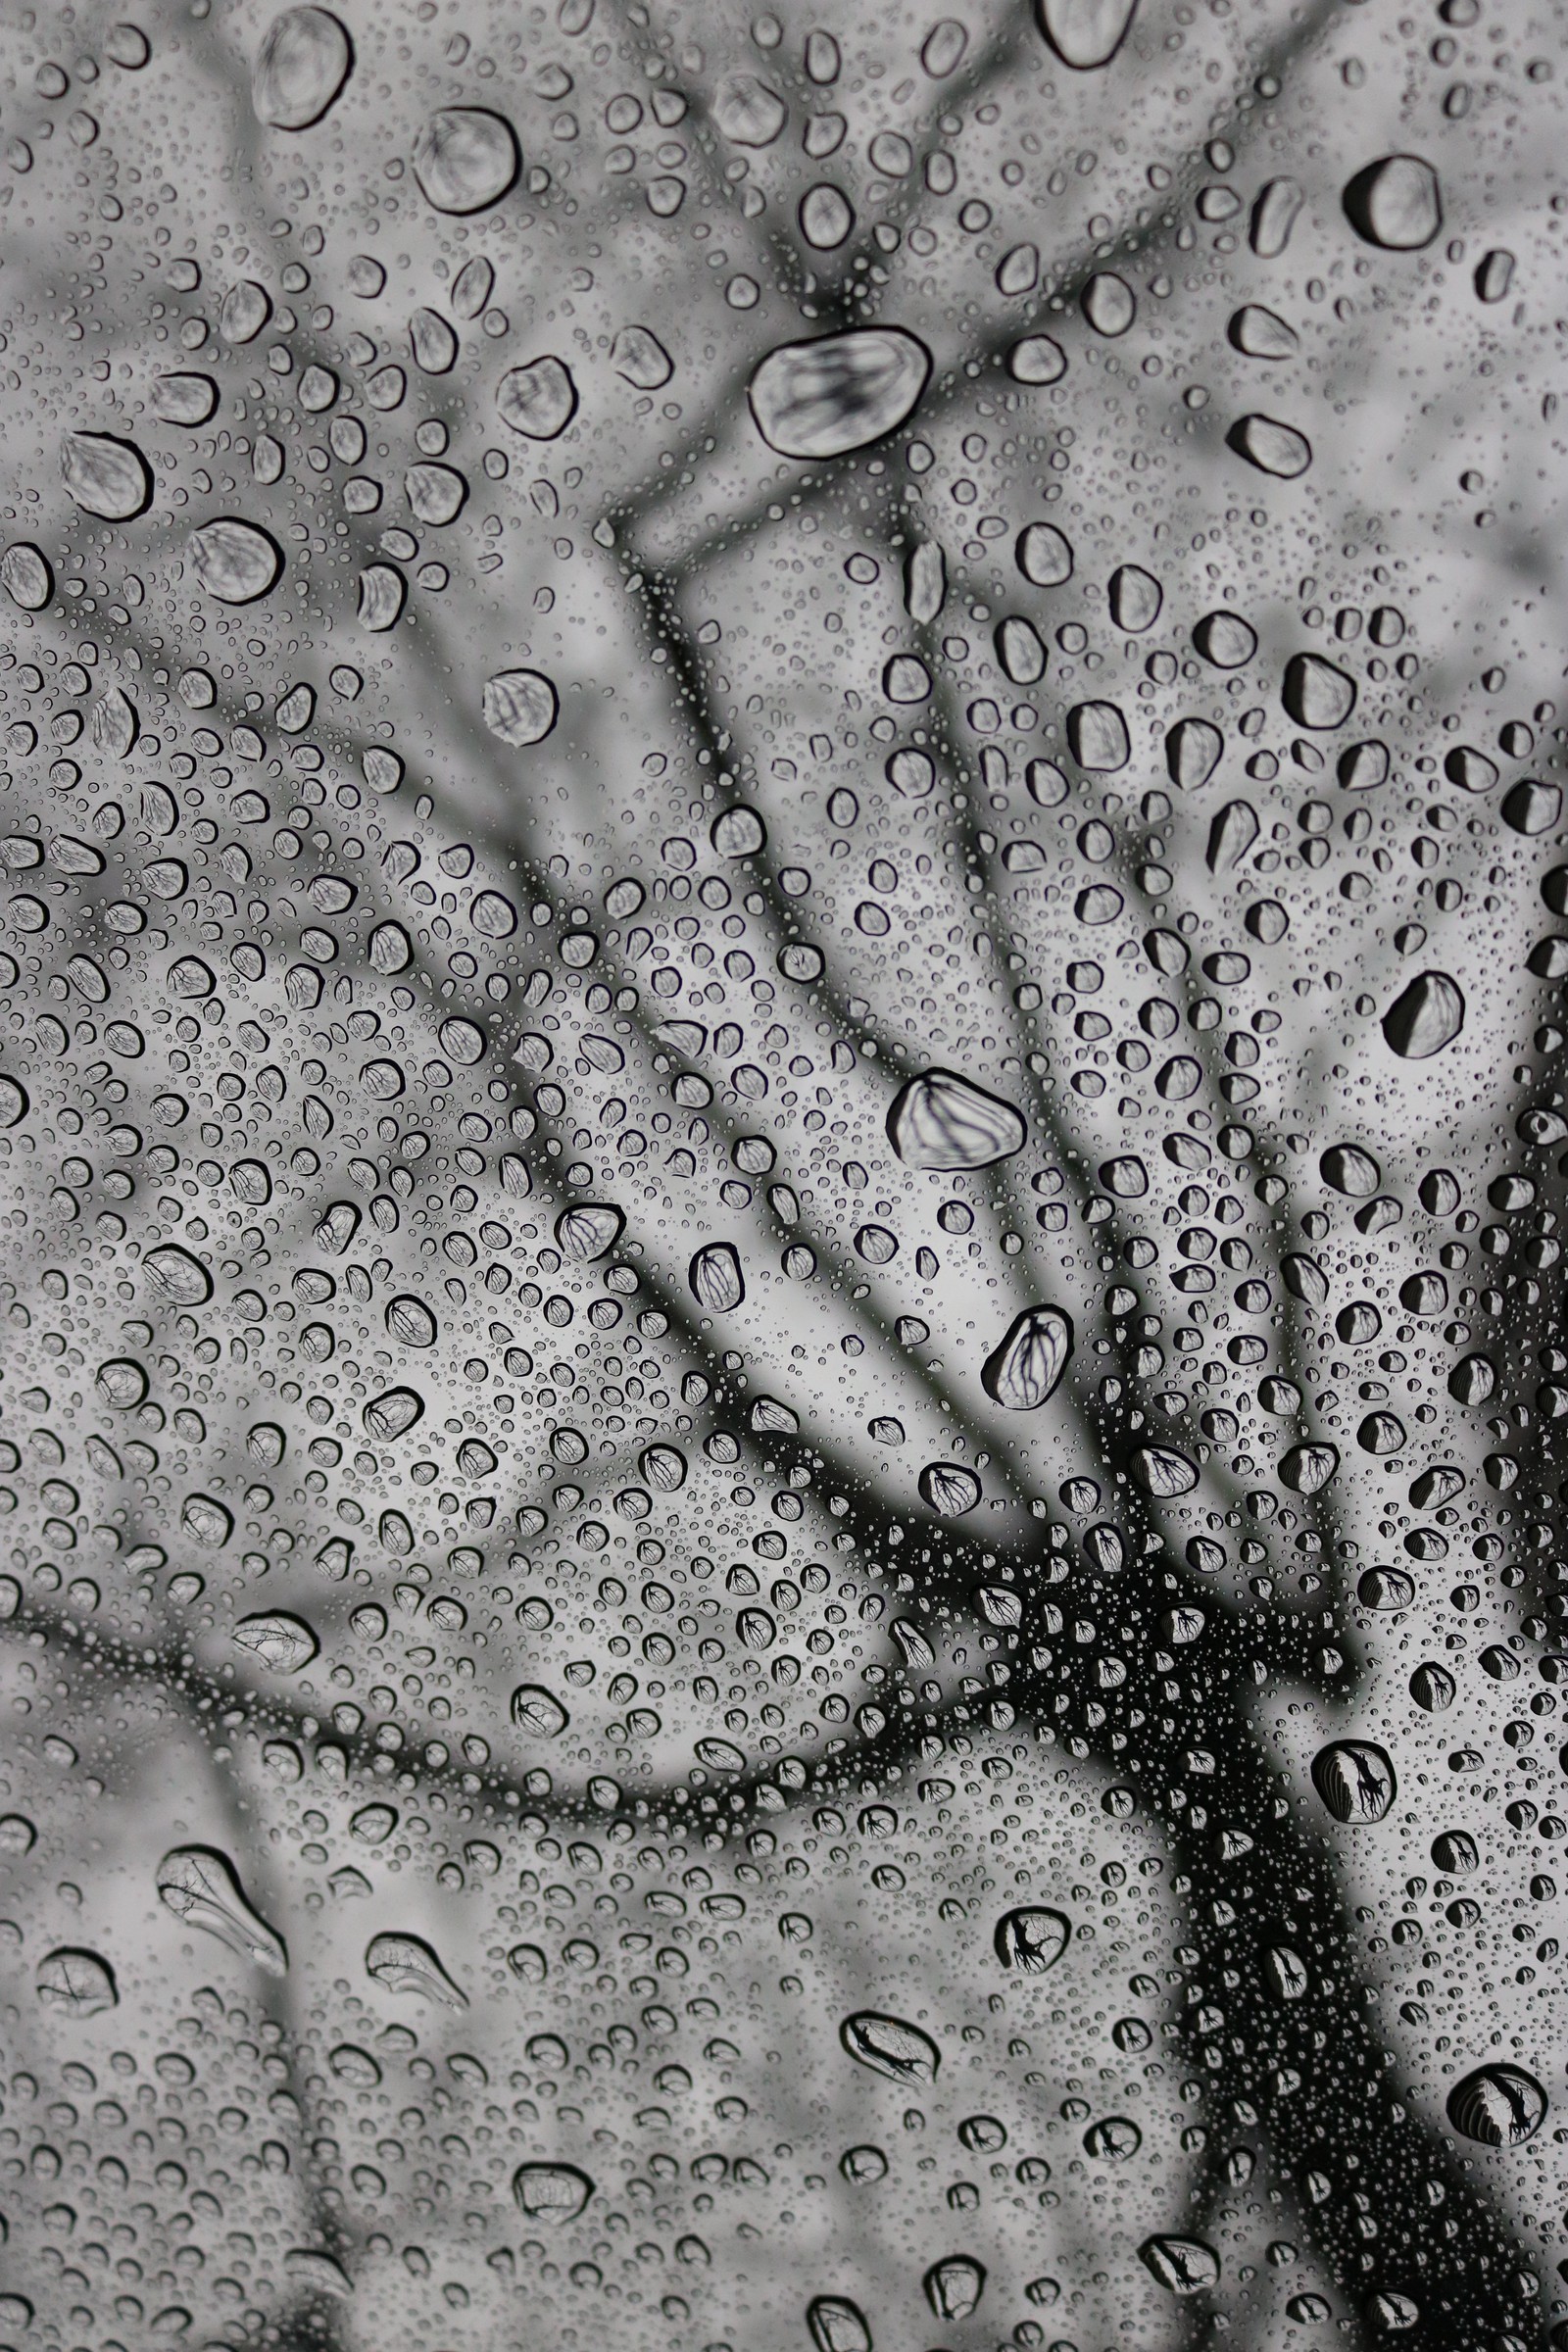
x,y
782,1137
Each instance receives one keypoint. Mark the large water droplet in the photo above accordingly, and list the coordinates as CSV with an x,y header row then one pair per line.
x,y
1274,216
1315,693
747,111
106,476
551,2192
1192,752
465,158
1098,738
25,576
538,1711
1044,555
407,1964
235,561
1355,1779
838,393
1108,302
276,1640
75,1983
717,1282
244,311
890,2046
1023,1371
954,2285
837,2324
1272,447
1164,1471
1037,360
175,1277
201,1887
1395,203
949,1489
538,400
304,61
1184,2265
1260,334
519,705
1425,1016
1031,1939
1500,2106
943,1120
639,358
1085,34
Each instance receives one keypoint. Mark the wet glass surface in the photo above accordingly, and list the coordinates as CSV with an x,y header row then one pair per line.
x,y
782,1137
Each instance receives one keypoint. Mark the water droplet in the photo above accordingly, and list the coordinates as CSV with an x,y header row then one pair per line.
x,y
536,1711
1023,1371
943,49
1274,216
382,590
1394,203
1085,34
1044,555
76,1984
519,705
1109,304
639,358
201,1887
1425,1016
1260,334
235,561
1500,2106
954,2285
746,112
837,2324
176,1278
838,393
1307,1469
826,218
1097,735
1226,640
715,1279
890,2046
1272,447
944,1121
1351,1170
1037,360
1432,1686
1355,1779
391,1414
1019,650
1192,752
539,399
551,2192
588,1231
1136,597
1162,1471
25,576
1031,1939
244,311
303,63
407,1964
1184,2265
949,1489
465,159
106,476
276,1640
